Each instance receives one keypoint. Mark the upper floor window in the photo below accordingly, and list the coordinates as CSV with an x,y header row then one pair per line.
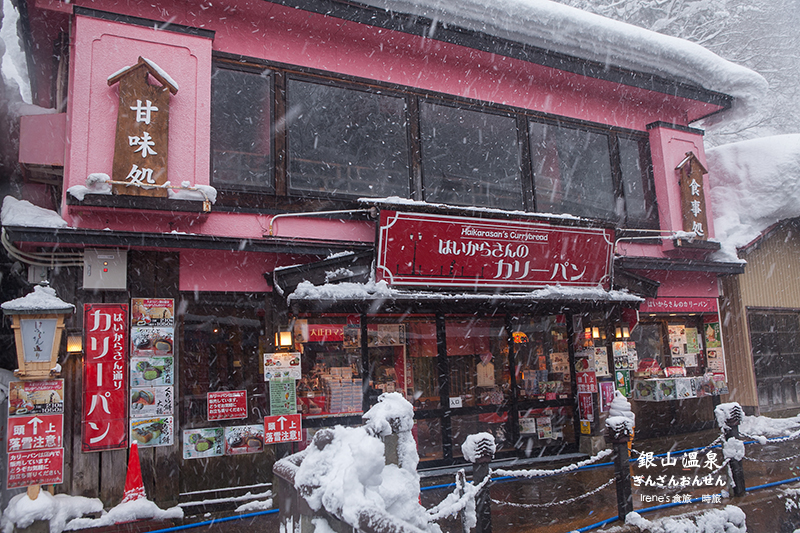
x,y
470,157
572,172
241,120
342,139
345,142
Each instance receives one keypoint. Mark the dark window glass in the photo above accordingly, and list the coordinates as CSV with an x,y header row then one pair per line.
x,y
640,206
346,142
241,155
572,172
470,157
776,358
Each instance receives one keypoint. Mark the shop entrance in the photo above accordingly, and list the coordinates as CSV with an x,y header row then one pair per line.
x,y
508,375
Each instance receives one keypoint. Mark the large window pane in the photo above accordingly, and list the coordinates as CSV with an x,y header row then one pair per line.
x,y
219,351
346,142
640,206
240,130
470,157
572,172
477,353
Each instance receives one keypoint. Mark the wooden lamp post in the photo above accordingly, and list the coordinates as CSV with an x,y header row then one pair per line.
x,y
38,323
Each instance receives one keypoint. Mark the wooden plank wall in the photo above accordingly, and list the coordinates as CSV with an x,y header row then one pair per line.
x,y
771,280
102,474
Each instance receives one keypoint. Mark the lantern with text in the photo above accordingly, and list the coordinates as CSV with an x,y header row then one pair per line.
x,y
38,323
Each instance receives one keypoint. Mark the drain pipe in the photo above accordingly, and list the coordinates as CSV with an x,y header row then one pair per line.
x,y
373,213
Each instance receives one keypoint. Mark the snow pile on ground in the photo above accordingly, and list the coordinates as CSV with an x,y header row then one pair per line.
x,y
731,519
754,184
564,29
23,213
65,512
348,475
140,509
59,509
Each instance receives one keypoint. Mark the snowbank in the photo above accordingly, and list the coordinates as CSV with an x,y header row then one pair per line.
x,y
58,509
731,519
64,512
564,29
754,184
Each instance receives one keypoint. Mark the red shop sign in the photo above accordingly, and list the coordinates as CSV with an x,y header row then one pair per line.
x,y
45,467
585,407
35,432
227,405
282,428
421,249
105,377
679,305
586,381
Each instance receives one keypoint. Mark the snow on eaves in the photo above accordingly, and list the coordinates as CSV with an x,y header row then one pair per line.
x,y
754,184
23,213
381,290
396,201
567,30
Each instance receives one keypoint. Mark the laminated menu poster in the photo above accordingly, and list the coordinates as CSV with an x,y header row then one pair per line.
x,y
282,397
601,360
544,427
715,360
152,431
151,401
240,440
203,442
559,362
282,366
36,397
152,371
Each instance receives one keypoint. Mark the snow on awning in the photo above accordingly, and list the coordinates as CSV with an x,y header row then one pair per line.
x,y
380,294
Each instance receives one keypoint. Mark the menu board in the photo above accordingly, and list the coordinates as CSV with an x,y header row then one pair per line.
x,y
152,371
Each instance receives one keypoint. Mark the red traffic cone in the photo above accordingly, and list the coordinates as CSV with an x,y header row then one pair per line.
x,y
134,487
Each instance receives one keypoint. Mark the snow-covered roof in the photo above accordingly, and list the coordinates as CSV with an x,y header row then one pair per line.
x,y
754,184
563,29
23,213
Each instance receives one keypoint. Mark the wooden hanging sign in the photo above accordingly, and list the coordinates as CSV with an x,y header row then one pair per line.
x,y
693,201
141,144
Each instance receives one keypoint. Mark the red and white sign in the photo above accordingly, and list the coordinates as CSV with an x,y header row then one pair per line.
x,y
227,405
282,428
586,381
585,406
421,249
44,467
35,432
679,305
105,377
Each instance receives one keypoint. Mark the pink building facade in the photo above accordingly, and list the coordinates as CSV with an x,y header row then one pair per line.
x,y
296,138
